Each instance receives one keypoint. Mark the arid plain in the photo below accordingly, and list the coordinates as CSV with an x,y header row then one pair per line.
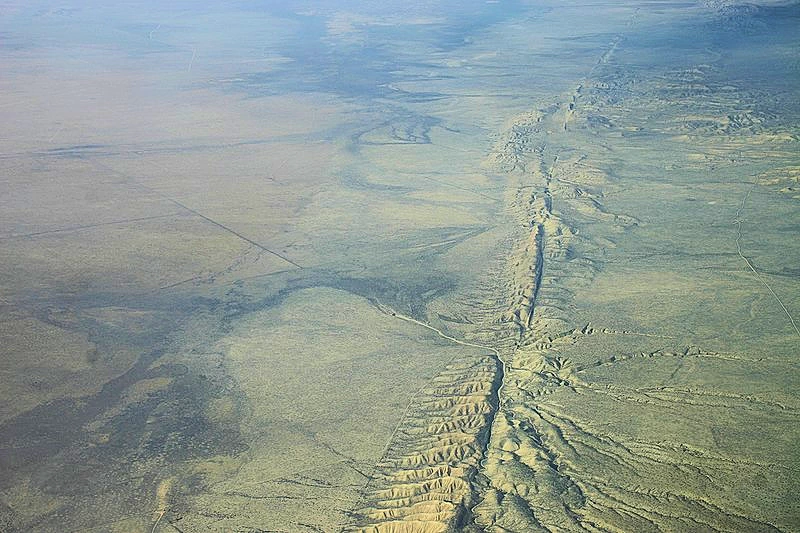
x,y
399,267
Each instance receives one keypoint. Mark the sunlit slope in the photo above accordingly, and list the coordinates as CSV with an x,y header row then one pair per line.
x,y
648,297
400,267
653,385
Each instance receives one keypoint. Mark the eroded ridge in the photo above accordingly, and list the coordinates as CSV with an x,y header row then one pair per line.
x,y
549,470
445,468
540,171
584,431
523,487
424,481
560,458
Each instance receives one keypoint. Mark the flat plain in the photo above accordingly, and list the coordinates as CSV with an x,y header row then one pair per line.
x,y
415,266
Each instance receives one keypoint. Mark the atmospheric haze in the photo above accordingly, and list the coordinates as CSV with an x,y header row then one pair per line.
x,y
393,267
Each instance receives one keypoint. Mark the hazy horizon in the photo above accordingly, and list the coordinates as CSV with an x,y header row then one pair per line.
x,y
399,266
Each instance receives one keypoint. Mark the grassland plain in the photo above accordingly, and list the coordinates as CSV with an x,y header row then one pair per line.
x,y
412,267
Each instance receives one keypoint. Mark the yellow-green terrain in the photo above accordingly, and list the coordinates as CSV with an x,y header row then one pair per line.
x,y
508,266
